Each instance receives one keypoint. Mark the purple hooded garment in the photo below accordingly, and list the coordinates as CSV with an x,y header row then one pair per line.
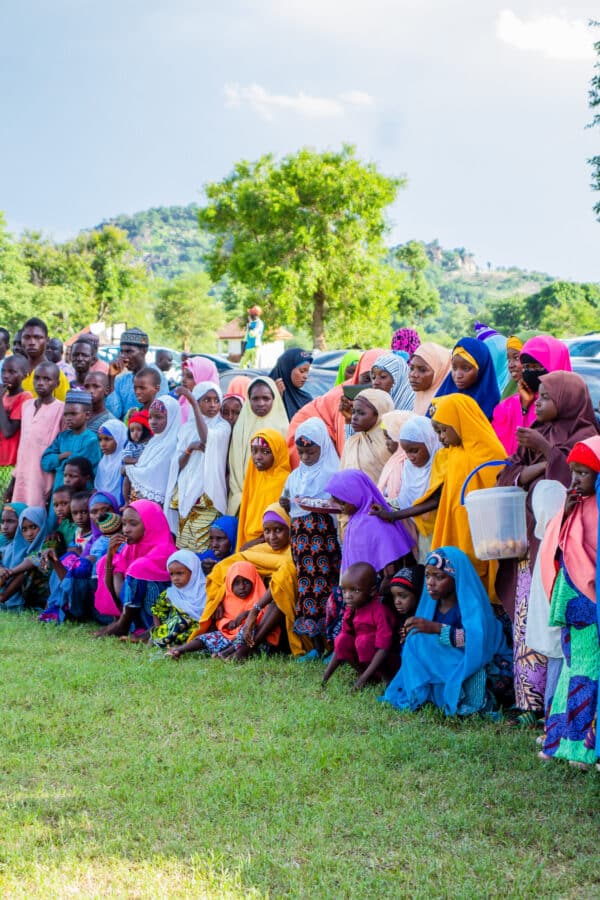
x,y
367,538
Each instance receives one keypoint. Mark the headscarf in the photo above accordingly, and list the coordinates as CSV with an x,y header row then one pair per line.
x,y
367,450
549,352
293,398
100,497
402,394
366,362
17,508
415,480
310,481
496,344
247,425
191,598
367,539
108,474
202,369
439,359
579,534
238,387
233,604
350,357
147,559
514,343
262,488
229,526
150,476
485,391
15,552
434,672
405,340
205,471
391,475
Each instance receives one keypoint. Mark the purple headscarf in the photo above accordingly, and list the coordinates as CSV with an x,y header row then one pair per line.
x,y
405,339
367,538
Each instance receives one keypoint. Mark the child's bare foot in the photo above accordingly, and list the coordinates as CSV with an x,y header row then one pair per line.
x,y
242,653
227,653
137,638
101,633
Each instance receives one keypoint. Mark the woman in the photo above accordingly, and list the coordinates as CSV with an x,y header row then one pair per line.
x,y
366,449
263,409
266,475
149,477
427,369
196,491
222,538
390,373
537,357
134,572
194,370
473,375
290,375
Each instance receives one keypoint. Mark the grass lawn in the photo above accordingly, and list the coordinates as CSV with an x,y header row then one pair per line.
x,y
126,774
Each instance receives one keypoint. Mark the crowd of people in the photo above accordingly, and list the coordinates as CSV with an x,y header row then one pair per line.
x,y
330,528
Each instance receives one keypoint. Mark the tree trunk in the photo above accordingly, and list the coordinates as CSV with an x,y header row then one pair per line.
x,y
318,321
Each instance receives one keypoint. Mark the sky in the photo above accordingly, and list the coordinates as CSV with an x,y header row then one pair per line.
x,y
114,107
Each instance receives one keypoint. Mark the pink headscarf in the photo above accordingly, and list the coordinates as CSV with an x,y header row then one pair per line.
x,y
238,387
202,369
549,352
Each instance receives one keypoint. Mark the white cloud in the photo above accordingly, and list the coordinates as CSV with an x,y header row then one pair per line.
x,y
266,104
556,37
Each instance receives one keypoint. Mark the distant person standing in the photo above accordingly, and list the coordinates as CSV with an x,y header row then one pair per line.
x,y
134,346
34,340
254,334
54,353
164,362
82,355
4,345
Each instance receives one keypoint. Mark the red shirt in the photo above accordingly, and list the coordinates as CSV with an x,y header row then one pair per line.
x,y
9,446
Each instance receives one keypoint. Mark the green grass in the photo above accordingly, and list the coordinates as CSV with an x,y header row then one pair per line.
x,y
125,774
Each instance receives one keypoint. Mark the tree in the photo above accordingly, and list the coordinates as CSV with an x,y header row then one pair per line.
x,y
305,236
594,102
415,292
564,308
16,291
186,313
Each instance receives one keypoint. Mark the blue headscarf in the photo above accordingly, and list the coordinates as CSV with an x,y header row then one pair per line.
x,y
485,391
228,524
16,552
18,509
433,672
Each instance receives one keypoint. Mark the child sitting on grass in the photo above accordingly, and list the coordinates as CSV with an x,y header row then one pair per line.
x,y
406,587
366,639
65,527
23,580
178,609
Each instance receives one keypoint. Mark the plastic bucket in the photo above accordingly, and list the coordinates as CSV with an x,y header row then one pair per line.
x,y
497,520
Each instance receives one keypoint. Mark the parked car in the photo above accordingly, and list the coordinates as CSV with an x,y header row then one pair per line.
x,y
587,346
589,369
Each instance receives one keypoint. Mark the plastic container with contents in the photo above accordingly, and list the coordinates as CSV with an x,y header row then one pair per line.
x,y
497,522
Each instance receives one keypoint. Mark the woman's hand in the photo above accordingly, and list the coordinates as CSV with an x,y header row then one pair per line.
x,y
531,439
381,512
526,395
345,408
249,628
208,565
182,391
424,626
199,446
284,502
235,623
280,385
114,543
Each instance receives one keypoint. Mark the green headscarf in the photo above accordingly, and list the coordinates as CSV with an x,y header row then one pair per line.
x,y
351,356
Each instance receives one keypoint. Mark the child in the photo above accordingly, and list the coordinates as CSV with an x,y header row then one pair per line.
x,y
366,449
266,474
571,724
473,375
138,435
81,519
61,504
75,440
243,588
146,386
367,635
78,473
14,369
231,408
40,423
177,611
222,538
148,478
9,523
96,385
405,587
452,639
112,436
22,579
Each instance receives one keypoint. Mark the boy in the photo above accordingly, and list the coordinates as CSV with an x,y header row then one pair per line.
x,y
13,397
96,384
61,503
75,440
146,385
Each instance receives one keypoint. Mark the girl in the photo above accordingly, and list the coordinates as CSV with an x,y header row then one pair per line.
x,y
138,435
40,423
178,609
366,638
472,375
265,477
231,408
222,538
427,368
12,397
496,344
243,588
564,416
347,366
197,489
263,409
112,437
538,357
571,724
390,373
148,478
315,548
133,573
452,639
23,583
290,375
367,449
8,526
391,475
406,587
195,370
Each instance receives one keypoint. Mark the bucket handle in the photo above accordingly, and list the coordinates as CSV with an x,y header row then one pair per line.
x,y
493,462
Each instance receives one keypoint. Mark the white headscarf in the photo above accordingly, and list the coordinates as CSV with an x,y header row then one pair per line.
x,y
547,500
190,599
415,481
205,471
108,474
310,481
402,394
149,477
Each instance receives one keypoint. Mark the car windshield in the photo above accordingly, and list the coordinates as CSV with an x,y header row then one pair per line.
x,y
585,347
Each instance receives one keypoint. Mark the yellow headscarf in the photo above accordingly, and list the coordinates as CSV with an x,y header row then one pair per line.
x,y
514,343
262,488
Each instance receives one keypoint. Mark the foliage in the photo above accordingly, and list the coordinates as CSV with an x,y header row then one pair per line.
x,y
305,235
186,313
127,774
415,293
594,103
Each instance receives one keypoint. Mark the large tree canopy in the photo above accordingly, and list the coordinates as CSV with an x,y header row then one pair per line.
x,y
305,235
594,98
